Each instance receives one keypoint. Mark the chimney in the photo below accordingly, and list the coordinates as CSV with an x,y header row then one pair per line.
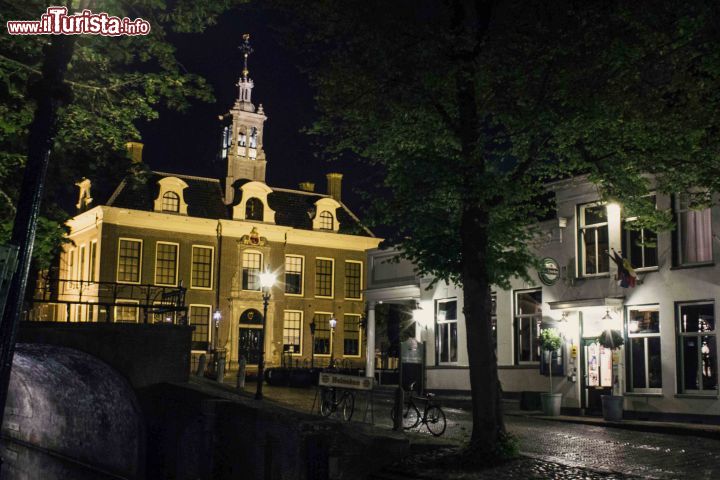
x,y
334,185
134,151
307,186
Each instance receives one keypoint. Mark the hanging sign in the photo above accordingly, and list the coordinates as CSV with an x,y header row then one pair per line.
x,y
549,271
345,381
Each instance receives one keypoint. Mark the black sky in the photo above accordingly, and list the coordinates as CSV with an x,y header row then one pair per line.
x,y
188,142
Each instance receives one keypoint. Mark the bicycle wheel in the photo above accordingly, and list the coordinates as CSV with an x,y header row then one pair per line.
x,y
435,420
410,416
348,406
326,403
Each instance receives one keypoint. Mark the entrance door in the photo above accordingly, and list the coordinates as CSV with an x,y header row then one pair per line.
x,y
597,374
249,344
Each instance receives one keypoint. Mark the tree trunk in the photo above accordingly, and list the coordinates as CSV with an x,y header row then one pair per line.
x,y
488,422
50,94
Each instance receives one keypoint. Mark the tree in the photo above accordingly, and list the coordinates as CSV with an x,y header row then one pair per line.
x,y
470,107
80,98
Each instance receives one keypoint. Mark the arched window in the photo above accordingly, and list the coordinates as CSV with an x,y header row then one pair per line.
x,y
171,202
253,137
326,220
241,137
254,209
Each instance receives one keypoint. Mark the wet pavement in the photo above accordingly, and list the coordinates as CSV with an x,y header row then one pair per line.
x,y
556,449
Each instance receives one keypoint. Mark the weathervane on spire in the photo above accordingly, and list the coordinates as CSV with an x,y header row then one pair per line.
x,y
246,50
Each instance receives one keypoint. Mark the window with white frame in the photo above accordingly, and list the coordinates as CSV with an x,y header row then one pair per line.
x,y
93,261
639,245
292,331
326,220
446,336
697,348
593,246
252,262
200,319
127,312
528,316
166,257
324,277
353,280
81,263
293,275
202,267
693,233
322,343
129,256
351,335
643,349
171,202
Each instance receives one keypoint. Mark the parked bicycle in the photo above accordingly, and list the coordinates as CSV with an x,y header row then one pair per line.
x,y
432,416
333,400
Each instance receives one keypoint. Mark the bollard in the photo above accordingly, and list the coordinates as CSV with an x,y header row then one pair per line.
x,y
242,363
221,370
202,362
399,404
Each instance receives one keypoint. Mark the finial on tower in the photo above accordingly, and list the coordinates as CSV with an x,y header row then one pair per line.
x,y
246,50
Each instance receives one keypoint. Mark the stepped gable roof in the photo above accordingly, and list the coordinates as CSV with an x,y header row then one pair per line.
x,y
204,196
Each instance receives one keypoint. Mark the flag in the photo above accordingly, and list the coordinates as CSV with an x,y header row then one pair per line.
x,y
626,276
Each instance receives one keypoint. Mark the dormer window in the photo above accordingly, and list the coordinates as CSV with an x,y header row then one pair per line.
x,y
326,220
170,198
171,202
254,209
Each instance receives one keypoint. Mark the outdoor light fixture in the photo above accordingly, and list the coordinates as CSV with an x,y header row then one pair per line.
x,y
333,324
267,280
217,316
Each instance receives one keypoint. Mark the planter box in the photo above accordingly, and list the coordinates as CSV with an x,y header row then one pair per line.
x,y
612,407
551,403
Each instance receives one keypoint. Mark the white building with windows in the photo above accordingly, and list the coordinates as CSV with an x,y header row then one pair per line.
x,y
668,366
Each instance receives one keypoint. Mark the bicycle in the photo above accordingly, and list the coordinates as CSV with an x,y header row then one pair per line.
x,y
432,417
329,403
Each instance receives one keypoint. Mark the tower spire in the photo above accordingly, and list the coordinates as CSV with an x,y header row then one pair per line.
x,y
246,50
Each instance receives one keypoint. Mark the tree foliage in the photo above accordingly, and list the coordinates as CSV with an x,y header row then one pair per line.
x,y
114,82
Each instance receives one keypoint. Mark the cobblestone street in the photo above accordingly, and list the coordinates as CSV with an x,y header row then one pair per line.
x,y
624,453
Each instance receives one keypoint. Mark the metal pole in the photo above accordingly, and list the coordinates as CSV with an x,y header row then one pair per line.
x,y
261,360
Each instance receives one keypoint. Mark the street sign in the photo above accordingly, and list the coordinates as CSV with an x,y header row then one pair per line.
x,y
345,381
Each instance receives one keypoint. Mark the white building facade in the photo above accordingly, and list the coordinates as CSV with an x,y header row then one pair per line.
x,y
668,365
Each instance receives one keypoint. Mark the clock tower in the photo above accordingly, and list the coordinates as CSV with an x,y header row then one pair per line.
x,y
242,141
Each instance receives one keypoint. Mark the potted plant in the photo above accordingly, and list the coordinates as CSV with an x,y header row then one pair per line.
x,y
612,405
551,341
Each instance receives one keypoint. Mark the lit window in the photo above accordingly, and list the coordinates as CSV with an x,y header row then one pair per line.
x,y
251,270
643,350
528,315
694,233
322,344
697,349
292,327
293,275
323,277
201,275
127,313
200,319
594,247
254,209
351,335
327,221
353,279
166,263
171,202
446,338
129,253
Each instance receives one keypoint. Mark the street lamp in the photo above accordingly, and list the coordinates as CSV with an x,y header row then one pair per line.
x,y
312,349
333,324
267,280
217,316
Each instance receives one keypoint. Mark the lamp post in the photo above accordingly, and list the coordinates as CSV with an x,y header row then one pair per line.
x,y
312,347
267,280
333,324
217,316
